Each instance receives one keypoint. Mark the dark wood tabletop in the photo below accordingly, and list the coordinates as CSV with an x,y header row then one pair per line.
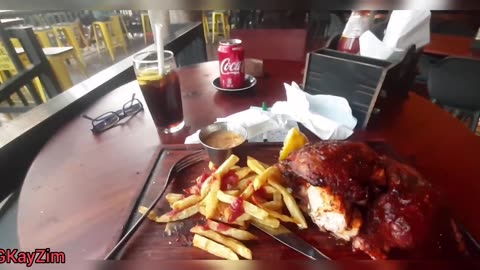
x,y
80,189
451,45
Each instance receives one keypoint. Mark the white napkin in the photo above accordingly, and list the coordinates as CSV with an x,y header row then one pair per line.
x,y
371,46
260,125
328,117
405,28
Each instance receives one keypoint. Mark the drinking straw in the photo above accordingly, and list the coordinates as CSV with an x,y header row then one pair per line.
x,y
159,43
155,20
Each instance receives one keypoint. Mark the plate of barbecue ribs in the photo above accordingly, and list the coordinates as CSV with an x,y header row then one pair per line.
x,y
359,199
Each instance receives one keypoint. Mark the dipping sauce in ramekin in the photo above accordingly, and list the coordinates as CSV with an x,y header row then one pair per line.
x,y
219,139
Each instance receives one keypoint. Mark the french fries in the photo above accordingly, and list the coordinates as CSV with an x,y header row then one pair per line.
x,y
226,165
206,187
247,192
268,221
213,247
249,208
175,215
255,165
270,173
211,200
230,231
233,192
280,216
243,183
142,210
187,202
231,243
276,204
173,197
291,205
242,172
248,195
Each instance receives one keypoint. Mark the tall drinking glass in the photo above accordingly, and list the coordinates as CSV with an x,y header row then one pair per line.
x,y
161,90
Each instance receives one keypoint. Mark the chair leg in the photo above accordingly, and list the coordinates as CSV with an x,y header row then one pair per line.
x,y
97,40
214,27
144,27
226,30
72,40
61,72
205,26
39,88
57,34
107,38
81,65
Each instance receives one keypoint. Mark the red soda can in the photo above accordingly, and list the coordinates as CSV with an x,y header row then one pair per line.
x,y
232,67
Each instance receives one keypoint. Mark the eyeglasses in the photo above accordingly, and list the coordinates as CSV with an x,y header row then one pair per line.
x,y
111,119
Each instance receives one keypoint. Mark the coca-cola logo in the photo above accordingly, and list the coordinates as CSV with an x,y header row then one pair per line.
x,y
228,67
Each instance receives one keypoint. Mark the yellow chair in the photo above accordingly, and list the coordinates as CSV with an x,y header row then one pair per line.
x,y
146,26
223,16
119,30
206,27
105,30
6,65
57,57
68,31
43,36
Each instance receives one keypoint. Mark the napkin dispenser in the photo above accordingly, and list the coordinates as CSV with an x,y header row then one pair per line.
x,y
370,85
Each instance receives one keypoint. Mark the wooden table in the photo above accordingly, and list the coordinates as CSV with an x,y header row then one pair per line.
x,y
80,189
450,45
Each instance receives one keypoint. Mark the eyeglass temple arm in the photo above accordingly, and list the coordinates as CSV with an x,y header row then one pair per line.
x,y
87,117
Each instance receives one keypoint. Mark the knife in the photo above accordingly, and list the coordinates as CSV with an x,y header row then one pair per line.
x,y
291,240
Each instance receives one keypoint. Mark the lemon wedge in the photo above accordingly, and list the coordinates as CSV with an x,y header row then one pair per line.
x,y
293,141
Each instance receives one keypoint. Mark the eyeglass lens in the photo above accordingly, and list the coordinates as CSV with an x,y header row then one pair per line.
x,y
132,107
106,121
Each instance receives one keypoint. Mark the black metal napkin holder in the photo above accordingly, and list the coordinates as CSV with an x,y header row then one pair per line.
x,y
476,44
368,84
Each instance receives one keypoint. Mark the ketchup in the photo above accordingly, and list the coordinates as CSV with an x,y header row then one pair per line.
x,y
237,209
260,193
222,227
173,213
203,178
228,179
195,189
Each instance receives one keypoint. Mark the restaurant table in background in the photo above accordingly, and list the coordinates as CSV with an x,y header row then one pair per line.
x,y
451,45
81,188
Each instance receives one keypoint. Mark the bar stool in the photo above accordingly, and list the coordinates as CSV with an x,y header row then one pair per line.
x,y
44,36
119,30
147,28
7,66
223,16
68,32
103,29
206,27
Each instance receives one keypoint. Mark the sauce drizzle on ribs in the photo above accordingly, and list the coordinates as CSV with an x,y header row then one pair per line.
x,y
374,201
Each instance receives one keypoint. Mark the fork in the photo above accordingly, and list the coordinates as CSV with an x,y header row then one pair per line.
x,y
180,165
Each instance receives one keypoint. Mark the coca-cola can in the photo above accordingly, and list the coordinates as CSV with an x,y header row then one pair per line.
x,y
232,67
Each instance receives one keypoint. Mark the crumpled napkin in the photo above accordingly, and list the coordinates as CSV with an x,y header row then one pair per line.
x,y
405,28
328,117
